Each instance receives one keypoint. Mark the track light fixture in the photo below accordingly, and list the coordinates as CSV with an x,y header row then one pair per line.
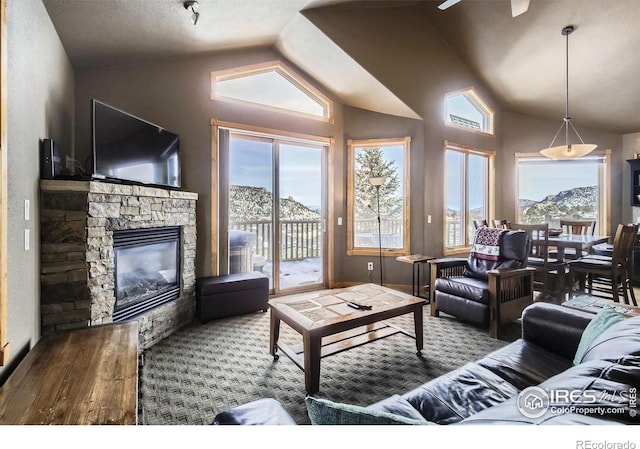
x,y
193,6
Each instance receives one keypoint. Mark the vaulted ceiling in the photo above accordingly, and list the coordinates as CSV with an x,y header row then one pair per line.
x,y
520,60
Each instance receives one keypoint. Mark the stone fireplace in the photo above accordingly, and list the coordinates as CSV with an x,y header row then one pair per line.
x,y
114,252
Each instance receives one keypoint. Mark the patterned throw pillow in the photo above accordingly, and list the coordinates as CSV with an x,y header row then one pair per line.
x,y
604,319
325,412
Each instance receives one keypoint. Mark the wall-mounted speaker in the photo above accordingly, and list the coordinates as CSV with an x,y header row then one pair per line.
x,y
50,162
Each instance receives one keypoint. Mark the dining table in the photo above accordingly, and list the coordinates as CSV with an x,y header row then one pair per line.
x,y
579,242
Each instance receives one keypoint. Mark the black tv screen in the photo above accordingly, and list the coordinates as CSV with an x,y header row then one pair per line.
x,y
127,148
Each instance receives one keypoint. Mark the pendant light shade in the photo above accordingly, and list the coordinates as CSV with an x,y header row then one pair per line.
x,y
568,150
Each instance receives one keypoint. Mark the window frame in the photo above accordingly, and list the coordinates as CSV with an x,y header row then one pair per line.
x,y
604,183
286,72
474,97
352,145
220,174
490,189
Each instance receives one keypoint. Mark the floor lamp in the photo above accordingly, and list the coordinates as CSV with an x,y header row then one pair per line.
x,y
377,182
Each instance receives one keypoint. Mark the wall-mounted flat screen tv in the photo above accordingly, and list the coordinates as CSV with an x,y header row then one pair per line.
x,y
129,149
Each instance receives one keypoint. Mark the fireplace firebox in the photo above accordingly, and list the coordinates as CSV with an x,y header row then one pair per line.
x,y
147,269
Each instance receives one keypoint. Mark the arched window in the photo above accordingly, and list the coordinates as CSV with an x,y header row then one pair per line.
x,y
465,109
274,86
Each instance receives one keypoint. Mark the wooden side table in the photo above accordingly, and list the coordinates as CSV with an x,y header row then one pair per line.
x,y
82,377
417,260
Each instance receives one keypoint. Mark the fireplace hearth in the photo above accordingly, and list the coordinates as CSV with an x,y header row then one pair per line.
x,y
114,252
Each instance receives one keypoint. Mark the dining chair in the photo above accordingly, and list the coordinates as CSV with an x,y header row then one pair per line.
x,y
575,227
503,224
615,269
578,227
547,268
479,223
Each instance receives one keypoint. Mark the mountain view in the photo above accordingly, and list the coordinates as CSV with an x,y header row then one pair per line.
x,y
580,203
256,203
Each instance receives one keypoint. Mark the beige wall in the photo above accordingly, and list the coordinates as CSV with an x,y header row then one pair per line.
x,y
361,124
40,105
176,96
404,52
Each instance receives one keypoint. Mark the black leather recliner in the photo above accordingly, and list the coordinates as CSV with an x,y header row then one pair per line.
x,y
483,291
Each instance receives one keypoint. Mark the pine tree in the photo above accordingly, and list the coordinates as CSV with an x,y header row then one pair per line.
x,y
370,164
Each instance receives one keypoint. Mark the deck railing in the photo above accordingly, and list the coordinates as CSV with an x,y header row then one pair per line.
x,y
299,239
302,239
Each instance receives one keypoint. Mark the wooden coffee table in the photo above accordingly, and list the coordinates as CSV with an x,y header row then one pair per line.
x,y
593,304
329,326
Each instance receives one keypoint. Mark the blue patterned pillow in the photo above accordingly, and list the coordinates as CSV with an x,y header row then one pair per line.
x,y
604,319
325,412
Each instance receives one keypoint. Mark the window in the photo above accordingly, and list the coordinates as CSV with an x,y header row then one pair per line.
x,y
465,109
468,194
576,189
387,159
273,86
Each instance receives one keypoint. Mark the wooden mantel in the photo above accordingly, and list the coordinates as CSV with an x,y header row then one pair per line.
x,y
86,376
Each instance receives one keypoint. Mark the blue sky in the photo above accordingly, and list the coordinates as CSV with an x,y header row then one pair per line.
x,y
537,180
300,169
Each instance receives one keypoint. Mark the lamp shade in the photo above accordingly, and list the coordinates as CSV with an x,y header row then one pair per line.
x,y
571,151
377,182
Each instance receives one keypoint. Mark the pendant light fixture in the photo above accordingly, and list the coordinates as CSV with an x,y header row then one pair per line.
x,y
568,150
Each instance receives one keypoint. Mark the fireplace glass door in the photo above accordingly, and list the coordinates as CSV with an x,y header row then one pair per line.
x,y
147,268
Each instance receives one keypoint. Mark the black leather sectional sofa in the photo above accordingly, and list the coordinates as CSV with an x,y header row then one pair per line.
x,y
496,389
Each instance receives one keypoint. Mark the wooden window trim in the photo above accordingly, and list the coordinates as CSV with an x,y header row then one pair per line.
x,y
285,71
491,193
216,125
474,97
406,244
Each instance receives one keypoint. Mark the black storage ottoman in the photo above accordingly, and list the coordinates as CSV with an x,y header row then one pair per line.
x,y
232,294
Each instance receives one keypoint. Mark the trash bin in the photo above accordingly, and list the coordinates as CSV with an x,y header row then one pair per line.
x,y
241,244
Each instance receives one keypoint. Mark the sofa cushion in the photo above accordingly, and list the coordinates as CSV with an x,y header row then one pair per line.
x,y
464,287
514,250
595,392
397,405
326,412
265,411
523,363
459,394
556,329
603,320
462,308
620,340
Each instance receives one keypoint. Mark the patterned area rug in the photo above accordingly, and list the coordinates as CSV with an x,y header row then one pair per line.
x,y
204,369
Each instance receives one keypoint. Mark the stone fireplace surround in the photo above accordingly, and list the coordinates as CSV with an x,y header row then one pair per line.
x,y
77,220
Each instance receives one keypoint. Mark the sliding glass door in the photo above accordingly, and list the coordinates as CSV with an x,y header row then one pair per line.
x,y
276,213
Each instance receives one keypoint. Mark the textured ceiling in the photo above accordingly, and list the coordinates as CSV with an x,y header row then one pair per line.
x,y
520,59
